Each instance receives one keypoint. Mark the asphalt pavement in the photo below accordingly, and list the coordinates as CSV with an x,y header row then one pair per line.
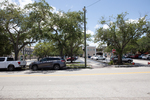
x,y
77,84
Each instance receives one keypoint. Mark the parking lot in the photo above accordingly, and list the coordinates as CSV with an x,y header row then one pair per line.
x,y
138,62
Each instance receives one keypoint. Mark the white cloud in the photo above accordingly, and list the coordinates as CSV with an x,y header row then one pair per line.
x,y
54,9
92,44
21,3
105,26
89,32
97,26
132,21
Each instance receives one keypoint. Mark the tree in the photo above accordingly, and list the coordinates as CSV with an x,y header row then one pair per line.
x,y
65,29
75,32
23,26
44,49
5,45
40,13
56,31
143,44
120,32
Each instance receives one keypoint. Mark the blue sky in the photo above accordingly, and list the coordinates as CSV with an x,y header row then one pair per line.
x,y
106,8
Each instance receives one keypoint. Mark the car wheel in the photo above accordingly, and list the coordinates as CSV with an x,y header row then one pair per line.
x,y
129,61
56,67
10,67
34,67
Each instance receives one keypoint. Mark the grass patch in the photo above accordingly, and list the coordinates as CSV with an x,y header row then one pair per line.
x,y
77,66
115,63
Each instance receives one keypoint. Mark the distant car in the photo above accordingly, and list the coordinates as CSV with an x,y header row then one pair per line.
x,y
101,58
92,57
73,58
95,57
112,57
47,63
140,57
89,56
124,59
146,56
135,56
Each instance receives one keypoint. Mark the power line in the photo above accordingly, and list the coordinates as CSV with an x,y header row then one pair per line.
x,y
93,3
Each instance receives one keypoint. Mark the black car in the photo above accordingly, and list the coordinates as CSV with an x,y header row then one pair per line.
x,y
48,63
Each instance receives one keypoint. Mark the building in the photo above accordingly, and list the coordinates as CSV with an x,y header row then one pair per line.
x,y
90,51
27,50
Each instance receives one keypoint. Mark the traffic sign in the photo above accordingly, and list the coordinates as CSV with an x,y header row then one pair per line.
x,y
113,50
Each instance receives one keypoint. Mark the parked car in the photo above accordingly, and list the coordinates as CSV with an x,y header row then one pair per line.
x,y
135,56
73,58
48,63
10,64
89,56
101,58
124,59
146,56
112,57
140,57
92,57
128,55
95,57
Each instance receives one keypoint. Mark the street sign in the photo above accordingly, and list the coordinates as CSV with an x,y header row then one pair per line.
x,y
113,50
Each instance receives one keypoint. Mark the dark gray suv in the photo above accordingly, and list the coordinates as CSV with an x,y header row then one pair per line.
x,y
47,63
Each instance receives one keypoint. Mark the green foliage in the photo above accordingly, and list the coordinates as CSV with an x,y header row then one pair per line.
x,y
66,32
44,49
23,26
36,22
25,56
5,46
120,32
111,63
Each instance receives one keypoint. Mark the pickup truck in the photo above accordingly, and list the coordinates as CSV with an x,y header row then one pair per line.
x,y
10,64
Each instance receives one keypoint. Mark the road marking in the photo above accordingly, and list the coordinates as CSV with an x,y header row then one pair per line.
x,y
74,74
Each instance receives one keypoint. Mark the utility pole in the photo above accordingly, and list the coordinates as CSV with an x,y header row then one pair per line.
x,y
84,9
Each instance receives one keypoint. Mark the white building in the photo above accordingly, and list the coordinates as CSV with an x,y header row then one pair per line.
x,y
90,51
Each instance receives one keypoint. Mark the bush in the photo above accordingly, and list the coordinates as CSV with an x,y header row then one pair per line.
x,y
111,63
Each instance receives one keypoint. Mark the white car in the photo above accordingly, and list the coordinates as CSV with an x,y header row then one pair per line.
x,y
92,57
146,56
95,57
101,58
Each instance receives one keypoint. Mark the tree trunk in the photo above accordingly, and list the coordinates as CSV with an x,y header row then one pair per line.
x,y
120,57
61,53
16,52
71,54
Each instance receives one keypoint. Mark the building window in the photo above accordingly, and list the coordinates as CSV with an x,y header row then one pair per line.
x,y
93,49
88,49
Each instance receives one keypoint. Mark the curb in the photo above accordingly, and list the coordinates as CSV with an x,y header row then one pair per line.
x,y
117,66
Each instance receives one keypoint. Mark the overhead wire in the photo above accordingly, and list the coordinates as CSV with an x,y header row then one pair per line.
x,y
93,3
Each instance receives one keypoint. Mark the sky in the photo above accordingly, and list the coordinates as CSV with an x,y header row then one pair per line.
x,y
98,8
